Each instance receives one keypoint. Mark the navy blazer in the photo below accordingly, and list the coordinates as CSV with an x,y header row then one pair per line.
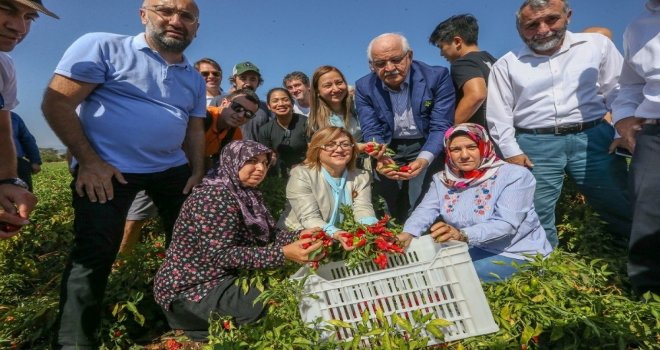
x,y
432,99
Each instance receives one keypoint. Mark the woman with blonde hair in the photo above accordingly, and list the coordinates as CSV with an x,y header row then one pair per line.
x,y
327,180
332,104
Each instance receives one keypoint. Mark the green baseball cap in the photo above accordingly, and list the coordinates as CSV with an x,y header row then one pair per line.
x,y
243,67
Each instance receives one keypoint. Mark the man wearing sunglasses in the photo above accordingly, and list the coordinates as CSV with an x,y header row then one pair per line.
x,y
212,74
223,122
408,105
16,18
140,127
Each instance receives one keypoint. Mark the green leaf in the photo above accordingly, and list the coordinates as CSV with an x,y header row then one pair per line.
x,y
526,334
539,298
440,322
403,324
435,331
340,324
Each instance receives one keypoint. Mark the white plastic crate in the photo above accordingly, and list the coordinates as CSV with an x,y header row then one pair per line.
x,y
430,277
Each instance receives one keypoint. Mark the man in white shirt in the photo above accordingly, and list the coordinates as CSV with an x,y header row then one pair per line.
x,y
545,110
298,85
636,114
16,17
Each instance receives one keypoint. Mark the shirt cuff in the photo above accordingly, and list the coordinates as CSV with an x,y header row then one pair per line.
x,y
368,220
428,156
330,230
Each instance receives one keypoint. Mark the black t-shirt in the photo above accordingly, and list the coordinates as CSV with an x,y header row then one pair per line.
x,y
290,144
475,64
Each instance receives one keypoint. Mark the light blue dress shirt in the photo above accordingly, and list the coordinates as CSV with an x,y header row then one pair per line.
x,y
136,118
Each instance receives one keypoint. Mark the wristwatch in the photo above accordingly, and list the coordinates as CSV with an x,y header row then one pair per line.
x,y
464,236
14,181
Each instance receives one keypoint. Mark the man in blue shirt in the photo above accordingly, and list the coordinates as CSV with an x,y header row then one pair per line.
x,y
27,151
408,105
140,127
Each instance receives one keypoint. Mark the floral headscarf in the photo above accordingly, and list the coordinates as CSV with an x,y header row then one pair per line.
x,y
232,158
452,176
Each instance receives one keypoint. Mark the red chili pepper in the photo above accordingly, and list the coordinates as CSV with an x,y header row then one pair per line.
x,y
7,227
161,255
404,168
381,260
306,245
226,324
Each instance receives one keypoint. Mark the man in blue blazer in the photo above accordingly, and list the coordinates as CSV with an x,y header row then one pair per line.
x,y
408,105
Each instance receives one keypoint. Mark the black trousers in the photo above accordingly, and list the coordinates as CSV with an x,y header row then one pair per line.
x,y
643,256
401,197
98,230
226,299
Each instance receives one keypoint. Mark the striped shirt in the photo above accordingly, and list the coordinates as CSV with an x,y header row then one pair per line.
x,y
404,121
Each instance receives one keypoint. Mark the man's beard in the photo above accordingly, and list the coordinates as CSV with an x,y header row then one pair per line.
x,y
541,43
169,44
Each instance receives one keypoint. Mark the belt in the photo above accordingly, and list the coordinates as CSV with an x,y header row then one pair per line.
x,y
562,129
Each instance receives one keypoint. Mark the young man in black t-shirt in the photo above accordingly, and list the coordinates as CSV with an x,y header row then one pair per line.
x,y
456,37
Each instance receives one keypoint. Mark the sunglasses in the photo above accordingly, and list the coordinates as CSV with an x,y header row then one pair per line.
x,y
213,73
239,108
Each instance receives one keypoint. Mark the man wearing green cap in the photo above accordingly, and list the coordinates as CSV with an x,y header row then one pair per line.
x,y
246,75
16,17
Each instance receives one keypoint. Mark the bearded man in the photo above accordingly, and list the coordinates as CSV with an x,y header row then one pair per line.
x,y
140,101
545,110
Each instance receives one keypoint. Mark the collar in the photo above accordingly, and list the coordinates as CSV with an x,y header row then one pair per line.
x,y
140,44
570,40
405,84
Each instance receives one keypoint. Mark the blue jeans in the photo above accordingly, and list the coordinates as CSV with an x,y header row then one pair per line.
x,y
600,176
485,264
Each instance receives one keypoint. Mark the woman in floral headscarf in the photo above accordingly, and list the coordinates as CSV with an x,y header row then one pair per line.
x,y
224,227
482,201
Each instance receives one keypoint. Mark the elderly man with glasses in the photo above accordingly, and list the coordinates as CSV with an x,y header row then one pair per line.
x,y
140,101
408,105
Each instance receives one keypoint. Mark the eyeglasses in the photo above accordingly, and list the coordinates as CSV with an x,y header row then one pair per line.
x,y
395,61
331,146
167,13
214,73
239,108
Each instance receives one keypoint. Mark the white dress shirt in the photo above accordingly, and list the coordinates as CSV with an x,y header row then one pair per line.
x,y
576,84
640,76
8,82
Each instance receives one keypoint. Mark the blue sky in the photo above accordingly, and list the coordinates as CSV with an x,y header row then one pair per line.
x,y
282,36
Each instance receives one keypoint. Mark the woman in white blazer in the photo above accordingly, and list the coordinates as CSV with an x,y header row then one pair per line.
x,y
327,179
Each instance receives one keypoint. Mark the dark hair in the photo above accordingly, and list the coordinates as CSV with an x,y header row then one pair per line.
x,y
464,26
250,95
207,60
278,89
232,78
296,75
539,4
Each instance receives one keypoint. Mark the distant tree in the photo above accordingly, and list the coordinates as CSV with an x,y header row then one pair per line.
x,y
50,155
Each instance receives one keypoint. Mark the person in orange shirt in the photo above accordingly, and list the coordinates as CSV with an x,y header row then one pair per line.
x,y
223,122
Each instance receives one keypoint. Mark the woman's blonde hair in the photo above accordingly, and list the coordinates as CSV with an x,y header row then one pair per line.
x,y
320,112
323,137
